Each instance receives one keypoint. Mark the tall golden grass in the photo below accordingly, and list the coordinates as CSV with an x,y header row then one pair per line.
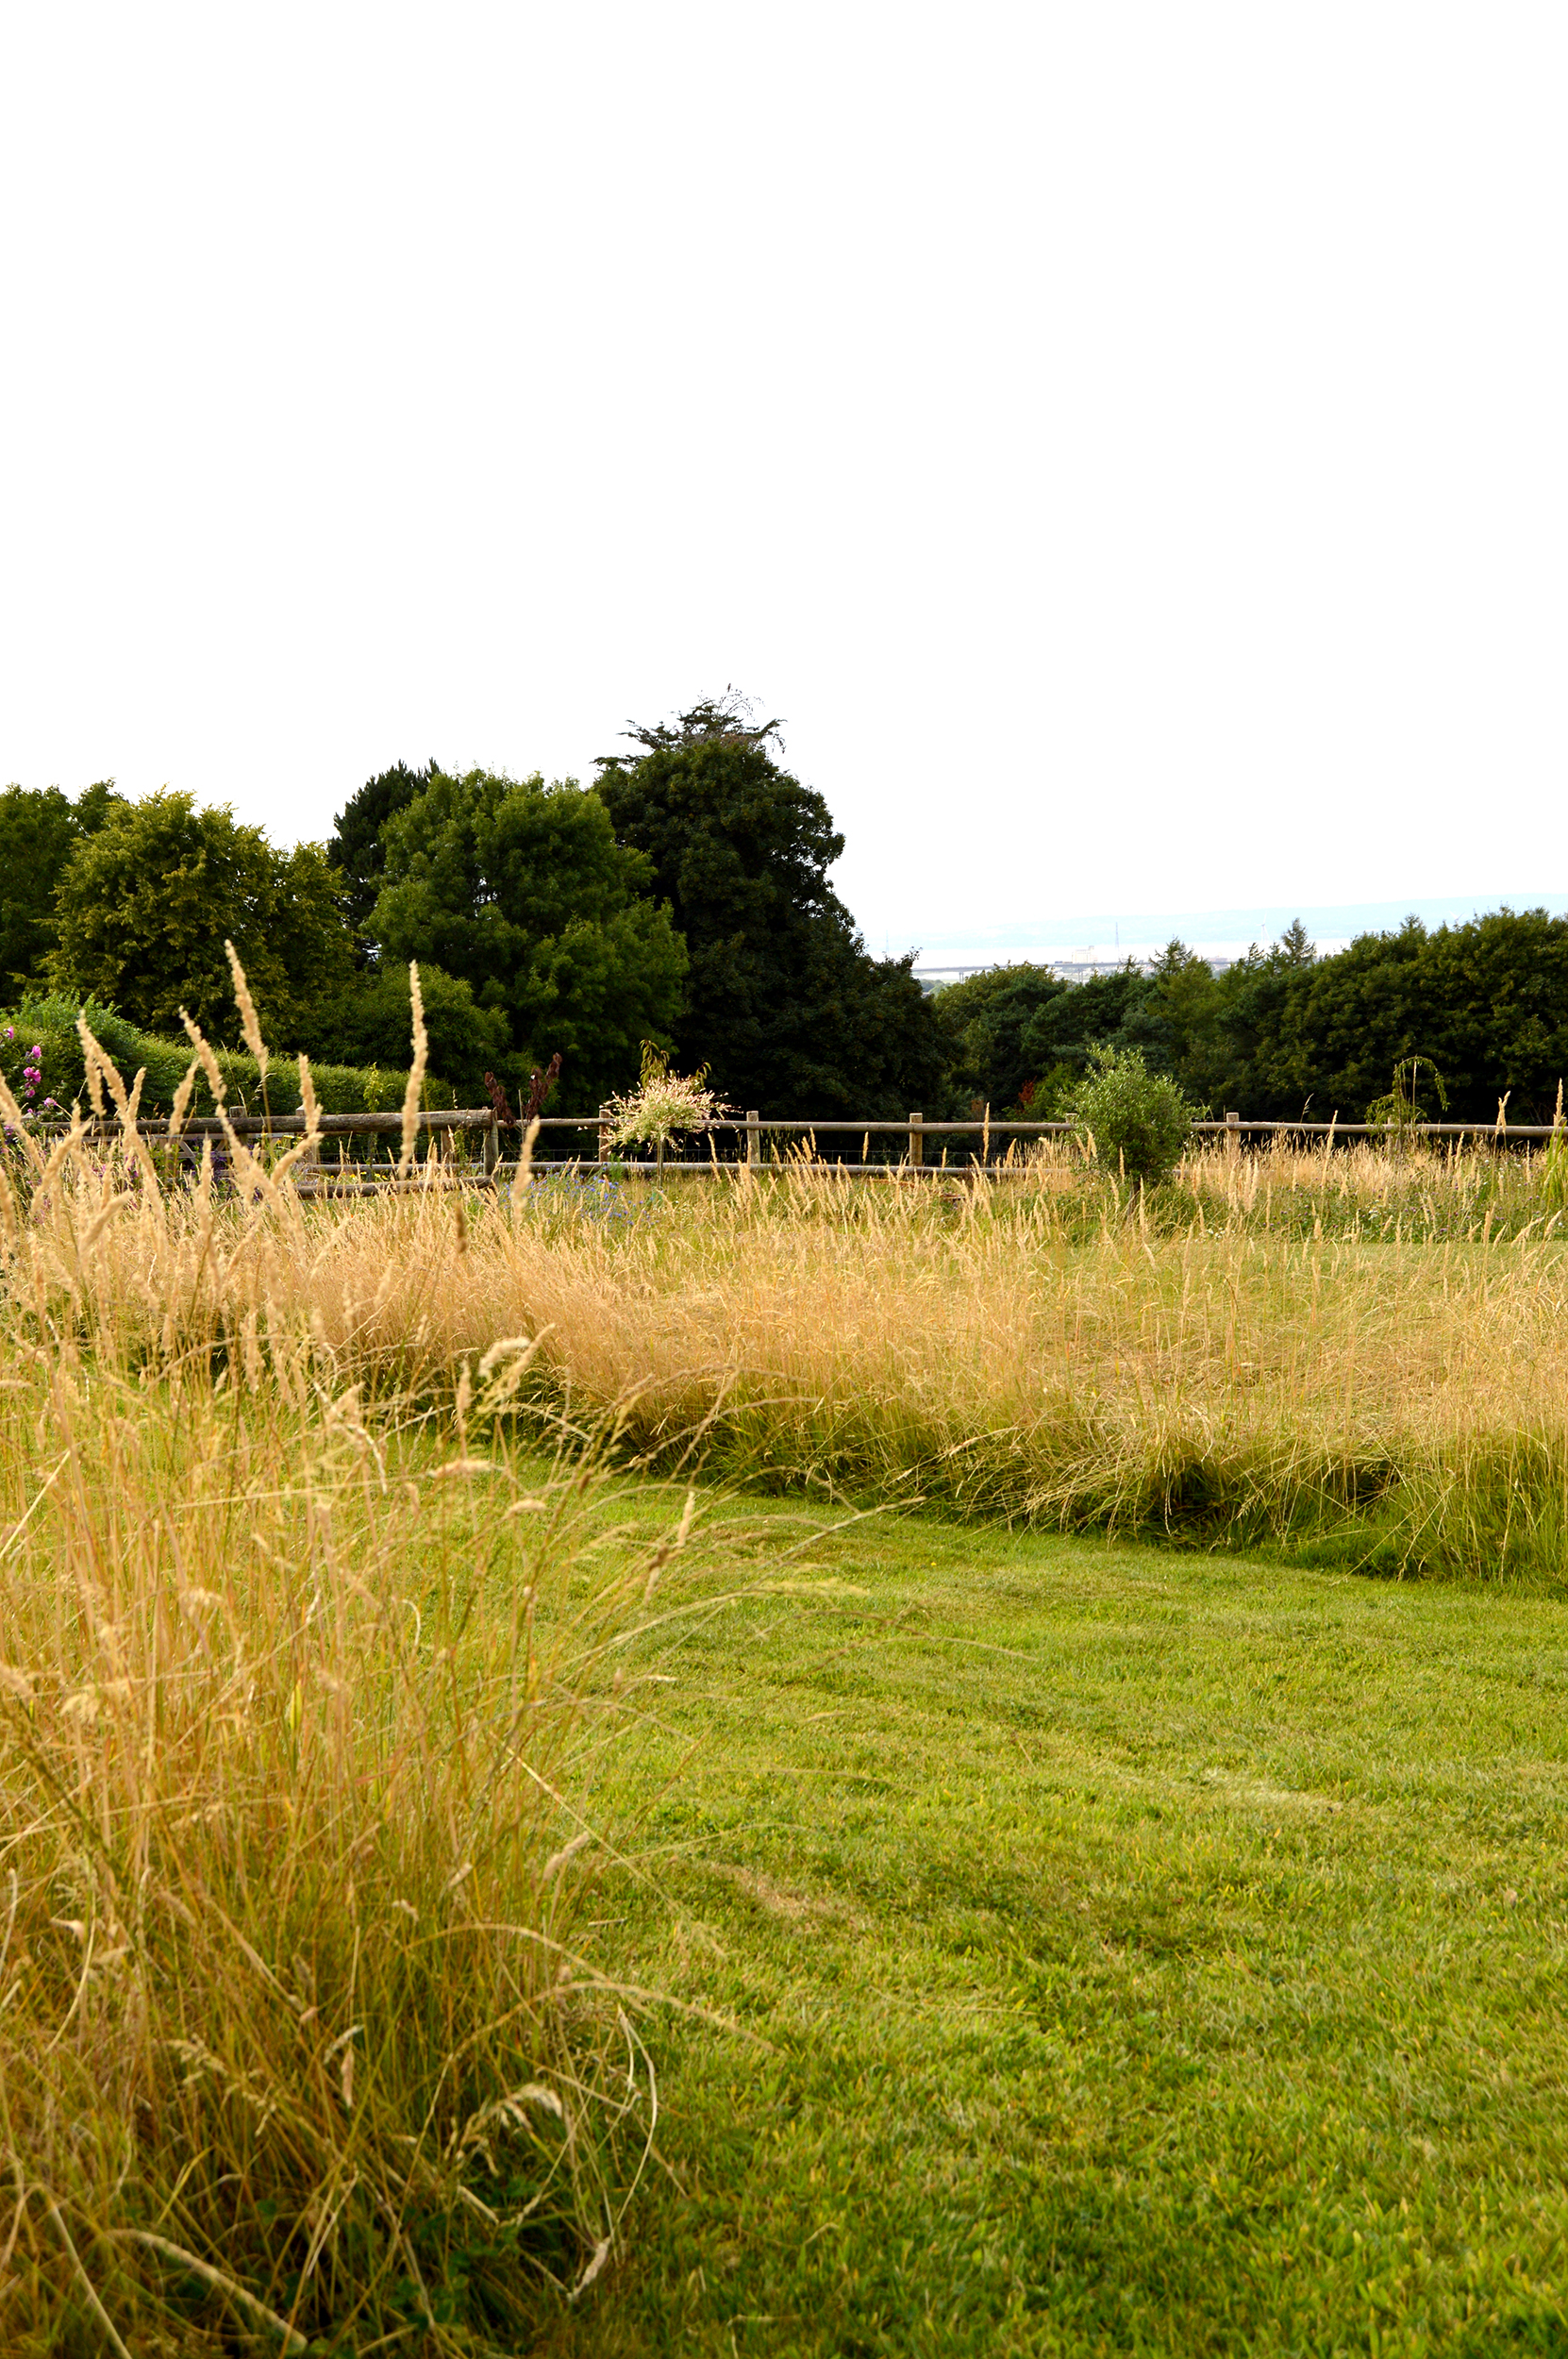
x,y
1280,1343
304,1683
1288,1342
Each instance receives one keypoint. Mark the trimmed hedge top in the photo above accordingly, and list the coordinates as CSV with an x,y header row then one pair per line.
x,y
48,1024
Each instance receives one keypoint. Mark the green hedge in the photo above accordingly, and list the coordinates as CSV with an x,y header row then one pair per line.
x,y
49,1024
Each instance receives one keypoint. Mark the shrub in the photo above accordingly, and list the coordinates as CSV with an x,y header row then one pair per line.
x,y
38,1055
49,1022
1139,1121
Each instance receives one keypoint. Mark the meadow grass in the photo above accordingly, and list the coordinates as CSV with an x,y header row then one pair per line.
x,y
331,1715
1138,1952
1362,1353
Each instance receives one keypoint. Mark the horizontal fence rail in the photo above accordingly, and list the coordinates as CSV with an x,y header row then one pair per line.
x,y
751,1133
154,1127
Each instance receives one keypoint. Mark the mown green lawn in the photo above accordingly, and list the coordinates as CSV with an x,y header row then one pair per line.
x,y
1145,1953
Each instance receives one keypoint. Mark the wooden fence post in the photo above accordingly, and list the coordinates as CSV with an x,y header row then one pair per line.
x,y
1233,1130
917,1142
604,1134
754,1139
492,1147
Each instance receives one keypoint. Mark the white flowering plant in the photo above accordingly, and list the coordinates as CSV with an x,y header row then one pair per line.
x,y
663,1105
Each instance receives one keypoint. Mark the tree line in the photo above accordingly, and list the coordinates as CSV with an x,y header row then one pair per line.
x,y
683,898
1284,1034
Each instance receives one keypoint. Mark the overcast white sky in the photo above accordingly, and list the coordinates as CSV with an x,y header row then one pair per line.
x,y
1126,442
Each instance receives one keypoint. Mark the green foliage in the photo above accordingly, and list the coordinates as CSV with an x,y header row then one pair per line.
x,y
1021,1026
1021,1038
371,1023
1181,1012
146,902
356,849
1070,1025
540,920
521,890
38,1050
38,830
1048,1099
1401,1111
783,1002
1139,1120
50,1021
988,1022
1487,1002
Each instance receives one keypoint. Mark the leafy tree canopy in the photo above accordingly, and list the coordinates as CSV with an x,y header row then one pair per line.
x,y
521,890
144,904
371,1023
355,845
987,1021
1284,1032
1115,1010
783,1002
37,828
1215,1033
1487,1002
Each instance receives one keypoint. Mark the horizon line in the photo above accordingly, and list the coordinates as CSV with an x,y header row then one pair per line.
x,y
1105,930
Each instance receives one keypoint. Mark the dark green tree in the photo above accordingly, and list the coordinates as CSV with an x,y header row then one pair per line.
x,y
521,890
1115,1010
1252,1064
370,1021
783,1002
986,1019
1487,1002
37,828
1182,1011
144,904
356,848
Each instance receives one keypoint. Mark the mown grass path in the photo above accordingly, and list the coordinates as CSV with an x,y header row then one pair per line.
x,y
1154,1954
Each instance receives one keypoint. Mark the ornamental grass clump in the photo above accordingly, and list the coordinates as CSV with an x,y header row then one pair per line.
x,y
298,1716
307,1675
663,1106
1554,1163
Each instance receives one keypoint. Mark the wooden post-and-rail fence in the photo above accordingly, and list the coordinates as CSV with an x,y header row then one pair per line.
x,y
478,1127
